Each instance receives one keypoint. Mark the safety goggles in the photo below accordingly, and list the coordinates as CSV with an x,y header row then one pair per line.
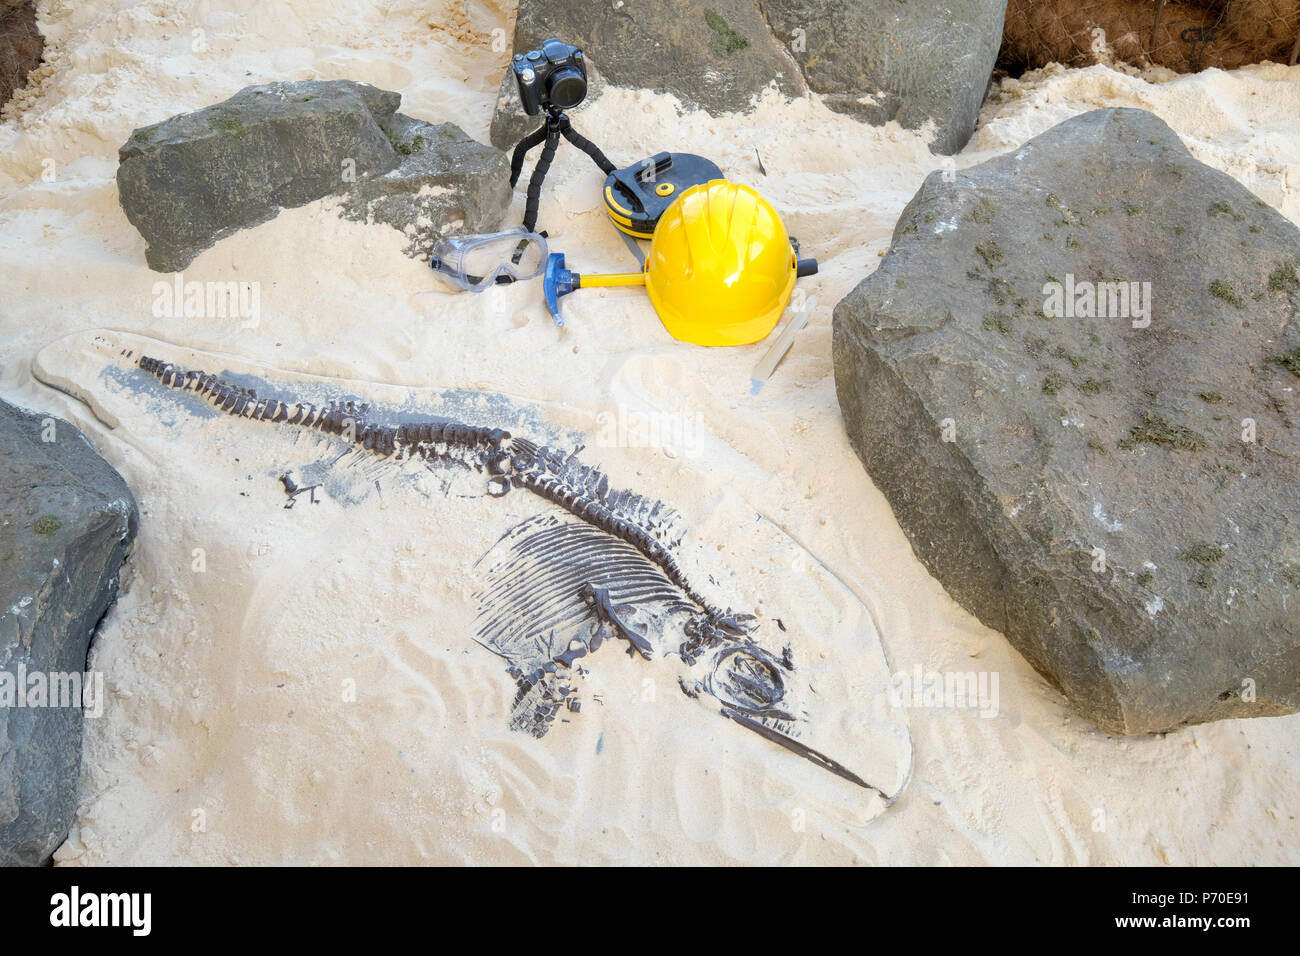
x,y
475,262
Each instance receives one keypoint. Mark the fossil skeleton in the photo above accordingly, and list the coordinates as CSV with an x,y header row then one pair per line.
x,y
557,587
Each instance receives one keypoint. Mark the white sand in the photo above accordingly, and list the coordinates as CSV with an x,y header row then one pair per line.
x,y
222,687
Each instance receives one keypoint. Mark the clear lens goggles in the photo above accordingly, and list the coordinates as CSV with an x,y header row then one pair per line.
x,y
477,261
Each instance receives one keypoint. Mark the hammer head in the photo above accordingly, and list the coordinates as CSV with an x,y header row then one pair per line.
x,y
557,281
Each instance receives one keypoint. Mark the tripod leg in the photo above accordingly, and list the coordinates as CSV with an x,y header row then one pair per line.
x,y
535,182
521,150
588,147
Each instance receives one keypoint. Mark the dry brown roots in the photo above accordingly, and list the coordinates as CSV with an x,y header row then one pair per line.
x,y
1183,35
21,45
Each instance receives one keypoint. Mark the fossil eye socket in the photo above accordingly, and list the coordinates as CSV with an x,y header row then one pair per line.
x,y
747,678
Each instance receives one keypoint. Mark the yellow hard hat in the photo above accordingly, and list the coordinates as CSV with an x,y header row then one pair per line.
x,y
721,267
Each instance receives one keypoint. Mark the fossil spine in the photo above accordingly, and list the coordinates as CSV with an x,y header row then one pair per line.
x,y
558,478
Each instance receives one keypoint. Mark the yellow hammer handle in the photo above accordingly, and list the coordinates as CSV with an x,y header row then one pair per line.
x,y
618,278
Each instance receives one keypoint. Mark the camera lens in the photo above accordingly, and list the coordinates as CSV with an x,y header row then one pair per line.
x,y
567,88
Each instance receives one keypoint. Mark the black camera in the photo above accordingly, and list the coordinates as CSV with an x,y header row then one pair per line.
x,y
554,77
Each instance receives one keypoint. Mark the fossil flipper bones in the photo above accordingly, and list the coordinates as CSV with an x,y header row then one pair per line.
x,y
570,560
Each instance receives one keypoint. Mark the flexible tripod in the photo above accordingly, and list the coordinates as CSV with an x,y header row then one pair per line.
x,y
557,125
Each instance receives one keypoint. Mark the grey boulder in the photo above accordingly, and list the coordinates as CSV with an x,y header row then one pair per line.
x,y
193,179
67,520
446,181
923,61
1118,495
714,55
879,60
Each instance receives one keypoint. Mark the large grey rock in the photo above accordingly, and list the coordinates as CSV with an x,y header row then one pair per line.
x,y
1071,437
446,181
714,55
880,60
66,522
195,178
